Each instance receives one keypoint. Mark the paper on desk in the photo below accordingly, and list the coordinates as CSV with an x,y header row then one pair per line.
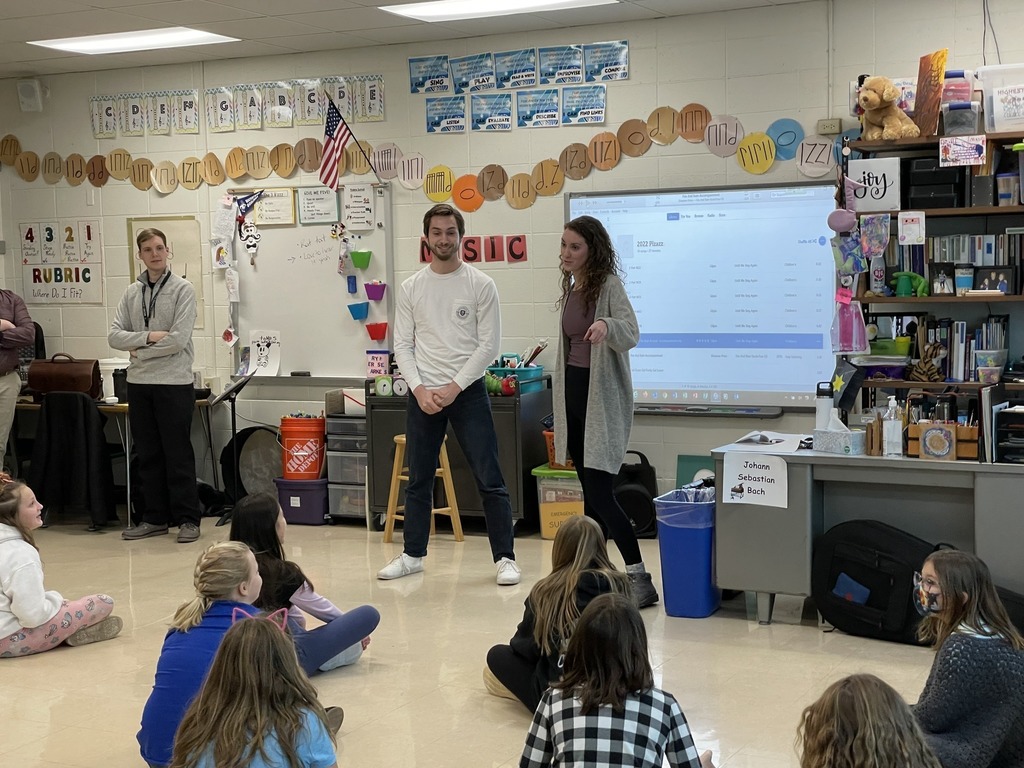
x,y
769,442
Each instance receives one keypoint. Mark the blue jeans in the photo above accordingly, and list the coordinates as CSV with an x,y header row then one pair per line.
x,y
316,646
470,417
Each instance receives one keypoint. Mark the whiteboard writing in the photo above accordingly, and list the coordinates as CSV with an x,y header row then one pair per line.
x,y
314,249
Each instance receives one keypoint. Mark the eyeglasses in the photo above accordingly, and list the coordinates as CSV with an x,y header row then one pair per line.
x,y
931,585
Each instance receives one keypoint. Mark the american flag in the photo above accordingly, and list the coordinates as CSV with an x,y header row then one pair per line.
x,y
336,136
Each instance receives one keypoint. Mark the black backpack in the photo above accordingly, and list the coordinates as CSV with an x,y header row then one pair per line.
x,y
635,488
862,579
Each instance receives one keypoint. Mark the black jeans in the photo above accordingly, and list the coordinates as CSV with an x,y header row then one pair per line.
x,y
515,673
470,417
161,423
598,500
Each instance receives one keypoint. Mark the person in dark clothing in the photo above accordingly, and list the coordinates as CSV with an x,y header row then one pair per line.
x,y
16,331
153,323
971,709
580,571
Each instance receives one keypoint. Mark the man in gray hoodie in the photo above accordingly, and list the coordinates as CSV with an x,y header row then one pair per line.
x,y
153,324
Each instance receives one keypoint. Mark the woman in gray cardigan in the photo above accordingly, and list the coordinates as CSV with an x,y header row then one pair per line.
x,y
593,388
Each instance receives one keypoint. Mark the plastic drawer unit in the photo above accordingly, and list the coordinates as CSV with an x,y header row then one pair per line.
x,y
346,466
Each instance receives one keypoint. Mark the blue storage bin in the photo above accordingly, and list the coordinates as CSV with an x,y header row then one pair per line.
x,y
686,531
530,377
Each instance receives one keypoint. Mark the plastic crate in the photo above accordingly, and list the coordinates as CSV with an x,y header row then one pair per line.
x,y
999,114
559,497
530,378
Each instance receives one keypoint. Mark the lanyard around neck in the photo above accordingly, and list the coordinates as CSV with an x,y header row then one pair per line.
x,y
148,313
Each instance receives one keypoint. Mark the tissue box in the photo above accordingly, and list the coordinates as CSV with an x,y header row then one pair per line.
x,y
847,443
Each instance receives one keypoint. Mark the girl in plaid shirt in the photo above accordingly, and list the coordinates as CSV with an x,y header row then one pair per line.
x,y
605,710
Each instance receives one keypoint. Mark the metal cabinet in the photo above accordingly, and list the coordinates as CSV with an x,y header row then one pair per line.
x,y
521,447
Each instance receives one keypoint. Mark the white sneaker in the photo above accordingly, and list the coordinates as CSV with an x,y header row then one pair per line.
x,y
400,566
508,572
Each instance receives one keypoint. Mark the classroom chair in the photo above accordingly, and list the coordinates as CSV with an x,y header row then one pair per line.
x,y
400,474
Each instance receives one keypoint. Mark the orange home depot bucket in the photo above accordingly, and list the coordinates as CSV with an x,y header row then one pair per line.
x,y
302,447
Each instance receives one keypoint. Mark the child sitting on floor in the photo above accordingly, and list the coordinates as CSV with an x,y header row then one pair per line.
x,y
605,710
257,708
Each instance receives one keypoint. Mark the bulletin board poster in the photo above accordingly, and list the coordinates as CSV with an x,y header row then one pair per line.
x,y
184,241
583,104
446,114
473,73
62,261
429,74
537,108
491,111
516,69
606,61
560,64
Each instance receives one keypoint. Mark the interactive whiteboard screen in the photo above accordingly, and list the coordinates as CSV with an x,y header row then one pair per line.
x,y
734,289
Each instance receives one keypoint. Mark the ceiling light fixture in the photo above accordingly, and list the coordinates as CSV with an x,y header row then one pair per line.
x,y
144,40
456,10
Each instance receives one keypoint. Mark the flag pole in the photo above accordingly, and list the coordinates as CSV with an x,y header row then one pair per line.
x,y
358,144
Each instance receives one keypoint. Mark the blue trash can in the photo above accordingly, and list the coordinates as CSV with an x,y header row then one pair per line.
x,y
686,529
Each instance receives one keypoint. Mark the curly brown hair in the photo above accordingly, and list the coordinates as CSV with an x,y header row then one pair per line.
x,y
861,722
602,260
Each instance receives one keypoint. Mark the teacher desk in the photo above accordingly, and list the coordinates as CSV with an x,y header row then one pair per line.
x,y
971,505
121,416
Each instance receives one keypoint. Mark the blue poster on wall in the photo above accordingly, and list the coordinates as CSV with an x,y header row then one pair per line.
x,y
606,61
516,69
473,73
491,111
446,114
560,64
429,74
583,104
537,108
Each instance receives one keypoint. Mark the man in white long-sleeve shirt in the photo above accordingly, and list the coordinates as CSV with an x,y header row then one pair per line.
x,y
447,331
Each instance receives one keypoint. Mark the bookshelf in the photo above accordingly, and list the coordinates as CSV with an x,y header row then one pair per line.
x,y
962,387
915,300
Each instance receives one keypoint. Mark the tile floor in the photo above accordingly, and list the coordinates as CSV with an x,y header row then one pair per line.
x,y
416,697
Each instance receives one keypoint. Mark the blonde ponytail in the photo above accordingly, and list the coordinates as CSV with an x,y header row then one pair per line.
x,y
219,570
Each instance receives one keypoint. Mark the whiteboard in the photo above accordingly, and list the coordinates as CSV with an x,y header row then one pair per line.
x,y
294,288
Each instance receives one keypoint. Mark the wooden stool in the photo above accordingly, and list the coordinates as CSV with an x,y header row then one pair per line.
x,y
400,473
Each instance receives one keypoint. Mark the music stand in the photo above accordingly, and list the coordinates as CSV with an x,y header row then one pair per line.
x,y
230,394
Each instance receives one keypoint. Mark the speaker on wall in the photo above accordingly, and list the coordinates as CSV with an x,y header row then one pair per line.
x,y
30,95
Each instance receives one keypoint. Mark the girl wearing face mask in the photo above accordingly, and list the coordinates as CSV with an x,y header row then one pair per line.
x,y
972,707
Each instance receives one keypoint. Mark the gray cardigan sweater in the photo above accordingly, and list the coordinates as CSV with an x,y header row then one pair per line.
x,y
610,397
972,707
169,361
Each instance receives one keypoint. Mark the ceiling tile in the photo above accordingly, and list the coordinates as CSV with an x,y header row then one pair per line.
x,y
184,13
345,21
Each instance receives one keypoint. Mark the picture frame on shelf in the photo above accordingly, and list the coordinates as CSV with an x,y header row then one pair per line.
x,y
1001,278
963,278
942,278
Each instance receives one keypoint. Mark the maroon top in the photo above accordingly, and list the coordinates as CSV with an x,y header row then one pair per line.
x,y
576,320
13,308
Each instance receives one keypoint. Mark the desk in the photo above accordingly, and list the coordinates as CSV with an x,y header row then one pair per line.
x,y
120,413
972,506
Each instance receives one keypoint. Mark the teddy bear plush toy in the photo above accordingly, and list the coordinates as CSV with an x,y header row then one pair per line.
x,y
882,118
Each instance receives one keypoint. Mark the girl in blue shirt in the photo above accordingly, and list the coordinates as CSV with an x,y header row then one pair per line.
x,y
227,580
257,708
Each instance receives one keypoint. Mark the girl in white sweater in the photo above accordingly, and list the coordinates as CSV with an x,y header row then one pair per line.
x,y
33,619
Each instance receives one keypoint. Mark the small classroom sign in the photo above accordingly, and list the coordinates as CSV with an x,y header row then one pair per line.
x,y
755,478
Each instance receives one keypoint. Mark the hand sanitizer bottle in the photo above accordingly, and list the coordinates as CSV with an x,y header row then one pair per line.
x,y
877,267
892,430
